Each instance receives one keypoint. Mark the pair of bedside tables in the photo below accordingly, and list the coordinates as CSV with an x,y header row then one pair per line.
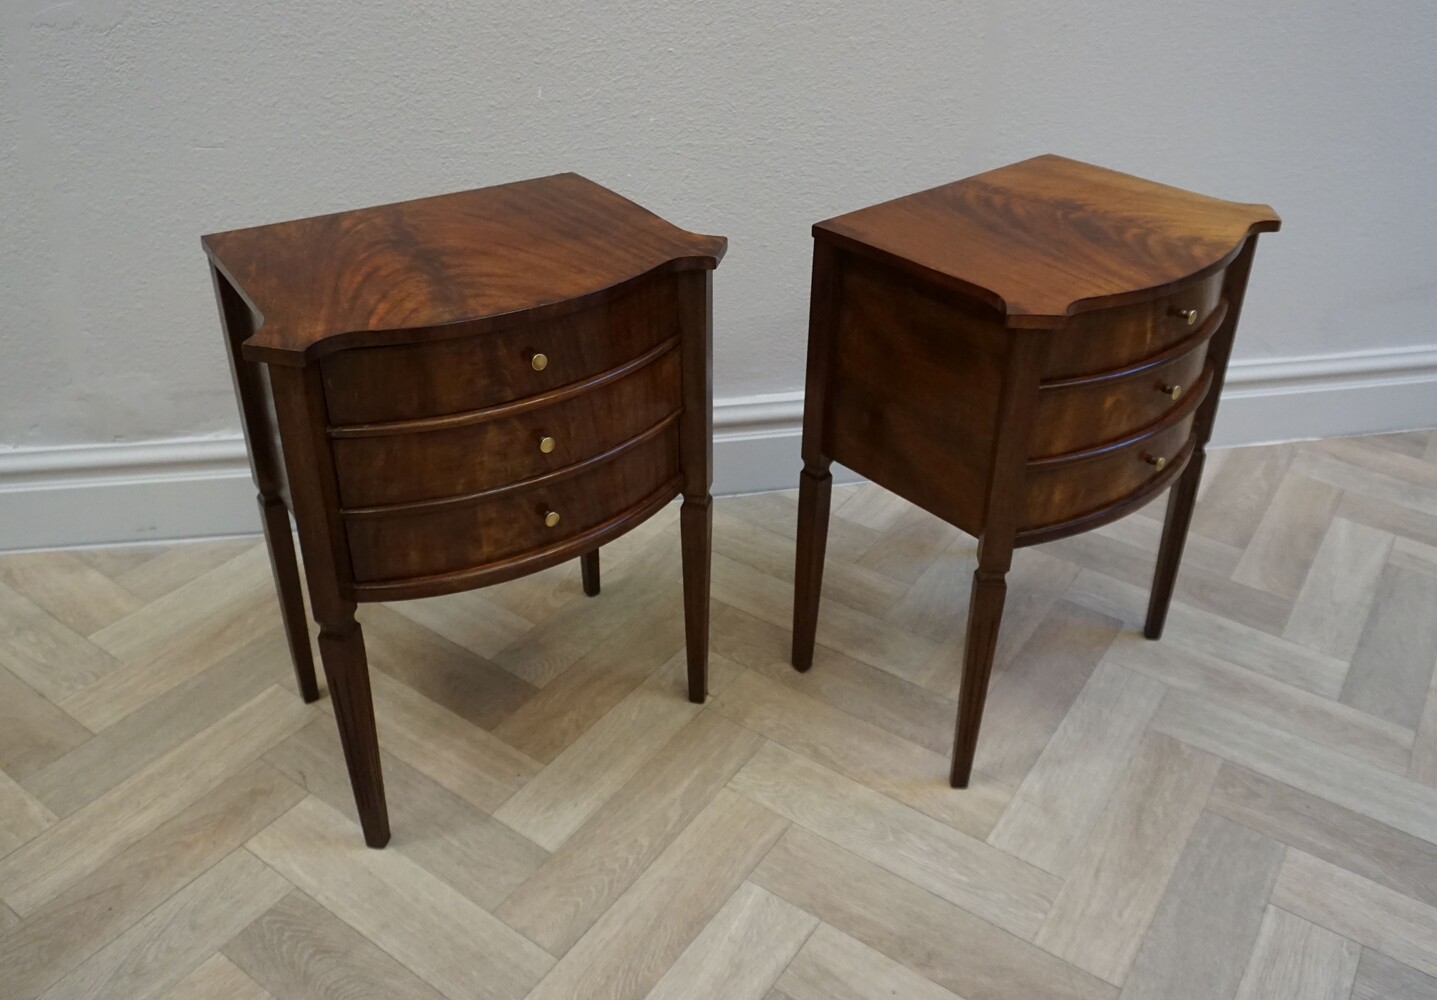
x,y
457,391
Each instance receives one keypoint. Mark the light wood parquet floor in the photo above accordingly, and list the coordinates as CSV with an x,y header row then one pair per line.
x,y
1246,809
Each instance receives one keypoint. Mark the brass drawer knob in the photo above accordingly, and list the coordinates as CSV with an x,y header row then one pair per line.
x,y
1156,461
1188,316
1173,391
546,443
539,362
551,519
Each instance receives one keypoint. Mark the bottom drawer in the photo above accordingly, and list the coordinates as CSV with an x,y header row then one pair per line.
x,y
449,537
1057,492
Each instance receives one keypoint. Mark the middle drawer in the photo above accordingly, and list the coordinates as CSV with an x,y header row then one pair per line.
x,y
467,453
1079,413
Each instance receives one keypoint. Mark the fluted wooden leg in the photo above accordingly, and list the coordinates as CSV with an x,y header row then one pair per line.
x,y
275,518
1181,501
815,487
589,569
341,648
985,615
696,527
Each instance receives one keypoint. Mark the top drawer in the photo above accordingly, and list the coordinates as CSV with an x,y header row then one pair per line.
x,y
1104,339
371,384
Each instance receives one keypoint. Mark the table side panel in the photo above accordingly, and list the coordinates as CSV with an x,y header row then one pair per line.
x,y
913,393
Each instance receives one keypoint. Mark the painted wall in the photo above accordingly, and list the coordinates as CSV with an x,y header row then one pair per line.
x,y
129,127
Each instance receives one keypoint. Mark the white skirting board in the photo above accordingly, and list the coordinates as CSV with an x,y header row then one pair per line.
x,y
116,493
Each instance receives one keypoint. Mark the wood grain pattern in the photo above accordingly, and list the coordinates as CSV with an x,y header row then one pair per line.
x,y
603,857
1034,282
1297,960
450,942
650,889
297,948
1345,838
956,867
178,935
630,947
494,253
1100,916
52,940
1358,909
217,979
1209,918
940,941
1089,751
1383,978
741,952
81,842
834,966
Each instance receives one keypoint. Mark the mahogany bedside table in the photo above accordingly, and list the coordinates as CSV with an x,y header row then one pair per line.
x,y
460,390
1027,354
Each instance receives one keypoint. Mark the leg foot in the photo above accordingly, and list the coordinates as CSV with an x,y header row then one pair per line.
x,y
815,486
1170,550
275,518
589,569
985,613
347,670
696,527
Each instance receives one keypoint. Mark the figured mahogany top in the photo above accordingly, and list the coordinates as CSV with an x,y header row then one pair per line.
x,y
1049,237
534,248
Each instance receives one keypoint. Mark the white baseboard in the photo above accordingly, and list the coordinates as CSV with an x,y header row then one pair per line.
x,y
115,493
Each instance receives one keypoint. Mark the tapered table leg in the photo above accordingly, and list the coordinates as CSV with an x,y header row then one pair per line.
x,y
1170,550
815,488
347,670
985,615
696,527
589,569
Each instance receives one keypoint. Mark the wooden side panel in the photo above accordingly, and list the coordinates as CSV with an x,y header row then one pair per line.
x,y
914,390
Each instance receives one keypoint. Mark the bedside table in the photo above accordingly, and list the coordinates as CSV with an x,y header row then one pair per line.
x,y
1029,353
456,391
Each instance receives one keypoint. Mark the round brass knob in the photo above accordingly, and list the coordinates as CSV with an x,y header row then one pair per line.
x,y
546,443
1156,461
1188,316
1172,391
551,519
539,362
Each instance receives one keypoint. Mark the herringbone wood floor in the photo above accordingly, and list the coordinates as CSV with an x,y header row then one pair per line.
x,y
1246,809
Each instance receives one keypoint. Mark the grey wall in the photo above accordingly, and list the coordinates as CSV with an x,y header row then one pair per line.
x,y
129,127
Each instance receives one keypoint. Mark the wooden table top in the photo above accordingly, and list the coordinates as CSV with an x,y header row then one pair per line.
x,y
537,247
1049,237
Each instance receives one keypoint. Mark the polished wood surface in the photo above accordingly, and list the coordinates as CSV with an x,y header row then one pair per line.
x,y
467,389
1047,238
413,461
472,261
1029,353
1246,810
454,375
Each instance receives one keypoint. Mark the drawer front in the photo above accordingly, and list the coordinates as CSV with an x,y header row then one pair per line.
x,y
406,382
457,537
508,447
1084,414
1113,338
1062,491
